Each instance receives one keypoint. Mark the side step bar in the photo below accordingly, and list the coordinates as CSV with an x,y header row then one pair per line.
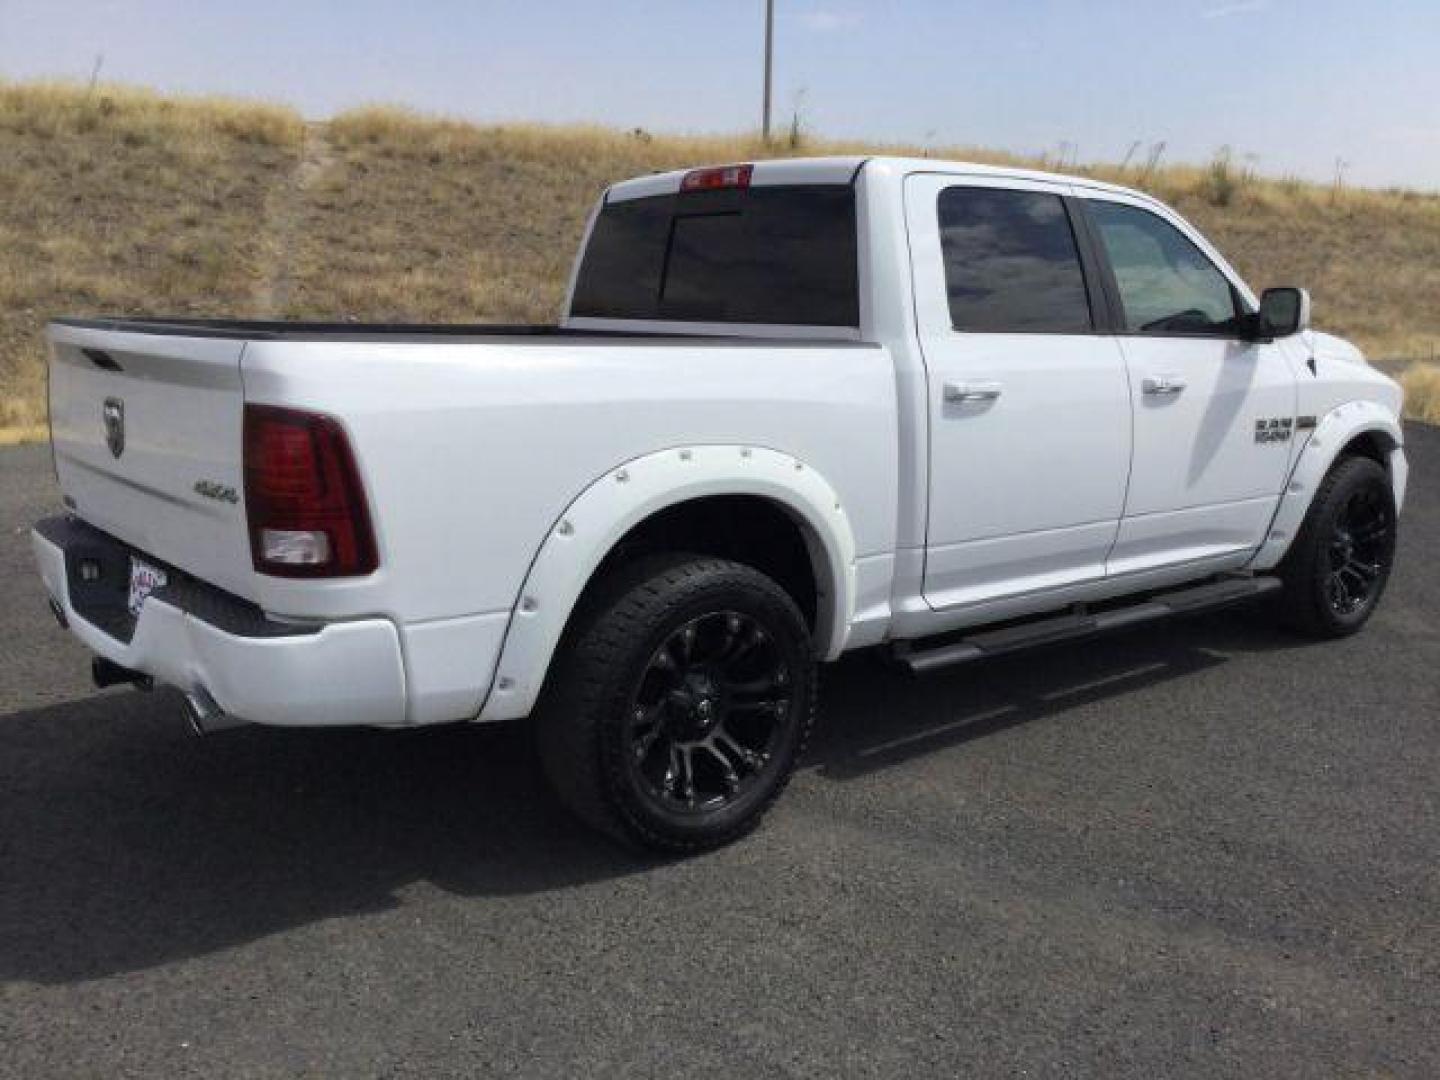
x,y
1082,624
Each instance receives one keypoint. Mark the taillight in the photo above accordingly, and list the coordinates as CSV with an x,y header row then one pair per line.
x,y
726,176
303,496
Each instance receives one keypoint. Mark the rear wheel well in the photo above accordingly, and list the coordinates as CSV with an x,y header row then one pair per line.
x,y
747,529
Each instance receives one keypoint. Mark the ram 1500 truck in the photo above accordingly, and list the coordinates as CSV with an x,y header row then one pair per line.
x,y
794,408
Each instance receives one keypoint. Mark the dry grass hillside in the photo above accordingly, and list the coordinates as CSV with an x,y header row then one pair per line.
x,y
119,200
125,201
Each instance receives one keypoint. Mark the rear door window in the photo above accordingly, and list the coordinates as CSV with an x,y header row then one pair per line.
x,y
1011,262
779,255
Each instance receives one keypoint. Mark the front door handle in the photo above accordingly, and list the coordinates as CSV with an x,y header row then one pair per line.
x,y
959,393
1163,384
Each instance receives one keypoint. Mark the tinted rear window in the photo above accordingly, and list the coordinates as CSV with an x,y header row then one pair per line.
x,y
1011,262
764,255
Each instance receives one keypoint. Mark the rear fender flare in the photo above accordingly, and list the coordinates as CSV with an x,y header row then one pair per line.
x,y
591,526
1333,433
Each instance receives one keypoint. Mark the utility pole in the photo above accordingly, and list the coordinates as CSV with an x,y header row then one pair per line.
x,y
769,64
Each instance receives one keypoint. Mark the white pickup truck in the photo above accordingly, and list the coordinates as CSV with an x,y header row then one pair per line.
x,y
794,408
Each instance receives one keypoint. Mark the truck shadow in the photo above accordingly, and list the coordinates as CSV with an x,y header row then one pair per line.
x,y
125,843
877,716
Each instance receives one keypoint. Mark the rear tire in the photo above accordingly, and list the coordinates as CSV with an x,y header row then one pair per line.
x,y
679,703
1337,568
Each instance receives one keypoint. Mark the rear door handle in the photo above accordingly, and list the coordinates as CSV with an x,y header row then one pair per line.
x,y
958,393
1163,384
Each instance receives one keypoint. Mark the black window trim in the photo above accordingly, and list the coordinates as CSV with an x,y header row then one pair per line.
x,y
1096,300
1111,286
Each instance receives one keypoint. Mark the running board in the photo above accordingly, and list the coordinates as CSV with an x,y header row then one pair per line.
x,y
1082,624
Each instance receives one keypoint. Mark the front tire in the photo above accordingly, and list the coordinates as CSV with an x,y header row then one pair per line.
x,y
679,703
1337,569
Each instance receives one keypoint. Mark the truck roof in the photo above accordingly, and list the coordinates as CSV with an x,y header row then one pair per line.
x,y
844,168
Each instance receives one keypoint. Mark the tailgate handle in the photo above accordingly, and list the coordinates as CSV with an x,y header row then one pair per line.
x,y
102,359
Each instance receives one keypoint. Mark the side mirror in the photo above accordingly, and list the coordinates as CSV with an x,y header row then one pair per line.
x,y
1283,312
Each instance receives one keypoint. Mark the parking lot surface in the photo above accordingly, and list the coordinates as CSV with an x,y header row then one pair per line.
x,y
1205,849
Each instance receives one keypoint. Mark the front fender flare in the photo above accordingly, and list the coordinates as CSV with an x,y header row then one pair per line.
x,y
1333,432
591,526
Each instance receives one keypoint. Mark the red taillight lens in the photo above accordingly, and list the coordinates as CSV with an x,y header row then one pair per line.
x,y
303,496
726,176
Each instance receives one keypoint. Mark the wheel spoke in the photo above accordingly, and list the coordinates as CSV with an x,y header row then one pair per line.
x,y
1371,532
672,771
747,757
764,684
687,773
727,768
1367,572
739,647
1336,592
773,706
719,666
646,743
685,642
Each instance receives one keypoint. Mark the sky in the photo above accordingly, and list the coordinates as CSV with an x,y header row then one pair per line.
x,y
1292,85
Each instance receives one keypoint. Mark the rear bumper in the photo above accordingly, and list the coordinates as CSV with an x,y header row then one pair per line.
x,y
199,639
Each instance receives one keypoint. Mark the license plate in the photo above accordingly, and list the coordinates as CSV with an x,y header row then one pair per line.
x,y
144,579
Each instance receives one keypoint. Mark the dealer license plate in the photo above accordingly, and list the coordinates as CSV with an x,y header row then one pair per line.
x,y
144,580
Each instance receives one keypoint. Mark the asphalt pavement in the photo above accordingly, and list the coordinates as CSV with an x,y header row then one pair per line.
x,y
1207,849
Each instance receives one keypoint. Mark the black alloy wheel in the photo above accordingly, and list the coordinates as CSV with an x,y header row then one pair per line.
x,y
679,702
1336,570
709,713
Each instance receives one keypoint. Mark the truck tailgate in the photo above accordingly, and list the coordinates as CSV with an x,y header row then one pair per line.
x,y
147,431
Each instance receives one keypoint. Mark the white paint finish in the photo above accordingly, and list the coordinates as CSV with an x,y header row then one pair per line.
x,y
182,411
345,673
1195,450
997,566
1152,541
449,665
874,578
913,622
1059,423
888,315
1341,377
471,451
839,170
589,528
474,452
1196,401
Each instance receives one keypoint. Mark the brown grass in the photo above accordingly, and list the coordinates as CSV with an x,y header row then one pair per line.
x,y
125,201
1422,391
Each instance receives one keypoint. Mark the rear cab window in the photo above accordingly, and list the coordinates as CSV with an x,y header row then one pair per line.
x,y
780,254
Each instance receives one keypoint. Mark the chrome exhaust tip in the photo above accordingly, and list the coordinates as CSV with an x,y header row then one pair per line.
x,y
205,715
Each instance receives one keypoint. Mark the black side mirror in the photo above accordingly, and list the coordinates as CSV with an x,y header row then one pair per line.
x,y
1283,311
